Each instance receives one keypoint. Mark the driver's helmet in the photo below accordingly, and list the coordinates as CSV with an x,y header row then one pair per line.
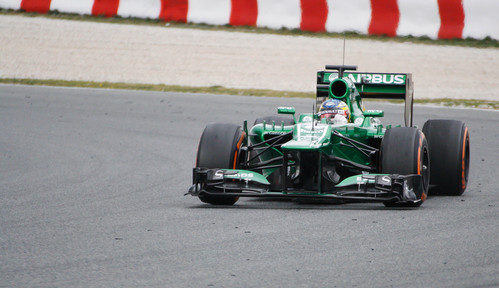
x,y
334,110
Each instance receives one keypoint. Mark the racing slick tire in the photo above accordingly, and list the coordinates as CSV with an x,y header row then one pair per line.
x,y
449,143
275,178
404,151
219,148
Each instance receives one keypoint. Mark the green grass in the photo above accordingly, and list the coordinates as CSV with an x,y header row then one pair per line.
x,y
471,103
468,42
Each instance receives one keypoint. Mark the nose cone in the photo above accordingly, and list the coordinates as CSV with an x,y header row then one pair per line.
x,y
309,136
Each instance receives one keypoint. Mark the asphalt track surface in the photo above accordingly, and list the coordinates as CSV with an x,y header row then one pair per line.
x,y
91,194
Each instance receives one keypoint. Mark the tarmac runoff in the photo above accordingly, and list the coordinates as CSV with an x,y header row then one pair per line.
x,y
92,184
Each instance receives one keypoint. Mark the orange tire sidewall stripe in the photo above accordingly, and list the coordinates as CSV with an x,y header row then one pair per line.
x,y
243,135
237,149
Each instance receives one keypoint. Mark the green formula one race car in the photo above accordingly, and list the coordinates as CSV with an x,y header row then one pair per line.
x,y
343,152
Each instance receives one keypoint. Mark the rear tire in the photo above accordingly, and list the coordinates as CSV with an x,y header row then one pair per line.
x,y
449,144
404,151
219,148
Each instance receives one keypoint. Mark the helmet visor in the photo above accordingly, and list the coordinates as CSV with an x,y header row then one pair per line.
x,y
330,114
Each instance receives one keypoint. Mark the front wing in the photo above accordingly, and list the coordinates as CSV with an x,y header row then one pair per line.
x,y
359,188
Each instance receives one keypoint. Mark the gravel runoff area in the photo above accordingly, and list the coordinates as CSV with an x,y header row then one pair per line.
x,y
76,50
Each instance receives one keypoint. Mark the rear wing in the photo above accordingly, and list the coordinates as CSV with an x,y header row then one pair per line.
x,y
372,85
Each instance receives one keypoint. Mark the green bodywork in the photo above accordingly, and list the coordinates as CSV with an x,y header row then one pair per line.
x,y
371,85
310,157
319,138
312,134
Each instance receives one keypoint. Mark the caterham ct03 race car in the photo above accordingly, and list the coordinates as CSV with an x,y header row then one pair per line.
x,y
340,152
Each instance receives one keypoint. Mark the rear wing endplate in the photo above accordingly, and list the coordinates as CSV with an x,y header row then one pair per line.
x,y
373,85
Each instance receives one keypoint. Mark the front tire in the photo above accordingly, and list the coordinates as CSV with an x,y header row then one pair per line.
x,y
219,148
404,151
449,143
